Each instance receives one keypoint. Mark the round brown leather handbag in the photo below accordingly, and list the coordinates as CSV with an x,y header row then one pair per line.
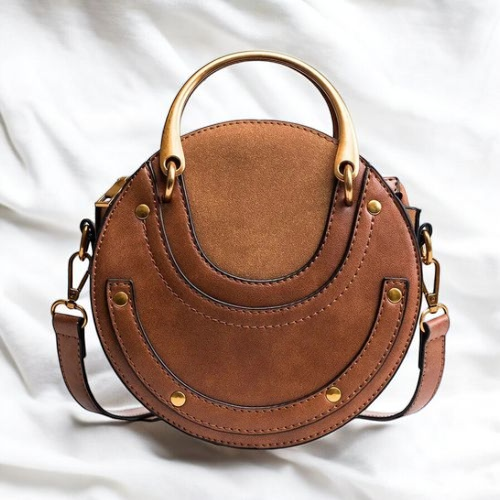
x,y
255,283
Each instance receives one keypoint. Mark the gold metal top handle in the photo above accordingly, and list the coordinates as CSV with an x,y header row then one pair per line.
x,y
347,152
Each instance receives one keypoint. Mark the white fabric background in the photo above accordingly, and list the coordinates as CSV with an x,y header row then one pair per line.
x,y
84,90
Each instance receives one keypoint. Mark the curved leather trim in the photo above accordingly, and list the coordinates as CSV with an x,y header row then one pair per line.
x,y
293,274
160,381
328,221
392,182
205,277
168,255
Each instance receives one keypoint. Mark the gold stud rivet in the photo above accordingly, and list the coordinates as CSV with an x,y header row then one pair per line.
x,y
394,295
333,394
120,298
374,207
142,211
178,398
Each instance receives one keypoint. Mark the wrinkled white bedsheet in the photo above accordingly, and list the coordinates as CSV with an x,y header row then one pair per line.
x,y
84,91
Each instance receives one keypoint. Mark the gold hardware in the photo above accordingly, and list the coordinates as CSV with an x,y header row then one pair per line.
x,y
348,184
347,151
439,307
394,295
74,293
178,398
84,242
120,299
70,304
142,211
105,200
170,183
333,394
374,207
426,248
431,297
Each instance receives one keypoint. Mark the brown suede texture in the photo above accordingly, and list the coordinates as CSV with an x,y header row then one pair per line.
x,y
251,210
255,358
302,281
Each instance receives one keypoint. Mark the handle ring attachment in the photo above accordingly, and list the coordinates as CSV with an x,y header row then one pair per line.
x,y
348,184
171,150
171,173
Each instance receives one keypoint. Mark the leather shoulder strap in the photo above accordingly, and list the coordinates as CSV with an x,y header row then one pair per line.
x,y
431,365
70,337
